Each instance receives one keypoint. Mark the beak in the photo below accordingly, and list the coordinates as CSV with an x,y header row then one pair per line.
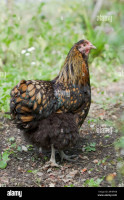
x,y
92,46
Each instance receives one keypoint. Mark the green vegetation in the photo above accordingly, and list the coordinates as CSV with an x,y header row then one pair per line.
x,y
4,158
93,183
36,37
90,147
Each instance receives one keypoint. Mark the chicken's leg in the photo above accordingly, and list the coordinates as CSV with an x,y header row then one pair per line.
x,y
66,157
53,159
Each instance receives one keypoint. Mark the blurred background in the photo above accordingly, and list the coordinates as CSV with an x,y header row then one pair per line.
x,y
35,37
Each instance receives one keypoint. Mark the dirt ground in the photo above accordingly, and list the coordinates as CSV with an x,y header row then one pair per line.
x,y
97,162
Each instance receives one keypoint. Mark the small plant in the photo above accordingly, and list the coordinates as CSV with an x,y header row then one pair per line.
x,y
71,185
29,147
106,136
19,148
93,183
102,161
92,121
45,158
4,158
32,171
90,147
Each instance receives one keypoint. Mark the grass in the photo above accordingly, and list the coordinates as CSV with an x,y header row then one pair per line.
x,y
35,41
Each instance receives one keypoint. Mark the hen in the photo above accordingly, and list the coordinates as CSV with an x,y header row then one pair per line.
x,y
50,113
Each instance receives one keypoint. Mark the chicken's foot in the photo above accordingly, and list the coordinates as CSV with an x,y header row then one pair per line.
x,y
66,157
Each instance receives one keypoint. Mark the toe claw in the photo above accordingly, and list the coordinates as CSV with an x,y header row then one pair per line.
x,y
66,157
50,164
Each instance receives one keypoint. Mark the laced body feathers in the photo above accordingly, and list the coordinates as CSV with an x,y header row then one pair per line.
x,y
53,111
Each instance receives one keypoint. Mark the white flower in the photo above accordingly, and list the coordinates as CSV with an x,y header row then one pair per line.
x,y
62,18
23,51
27,54
31,49
33,63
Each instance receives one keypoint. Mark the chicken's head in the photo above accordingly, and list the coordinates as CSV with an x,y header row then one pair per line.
x,y
84,46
